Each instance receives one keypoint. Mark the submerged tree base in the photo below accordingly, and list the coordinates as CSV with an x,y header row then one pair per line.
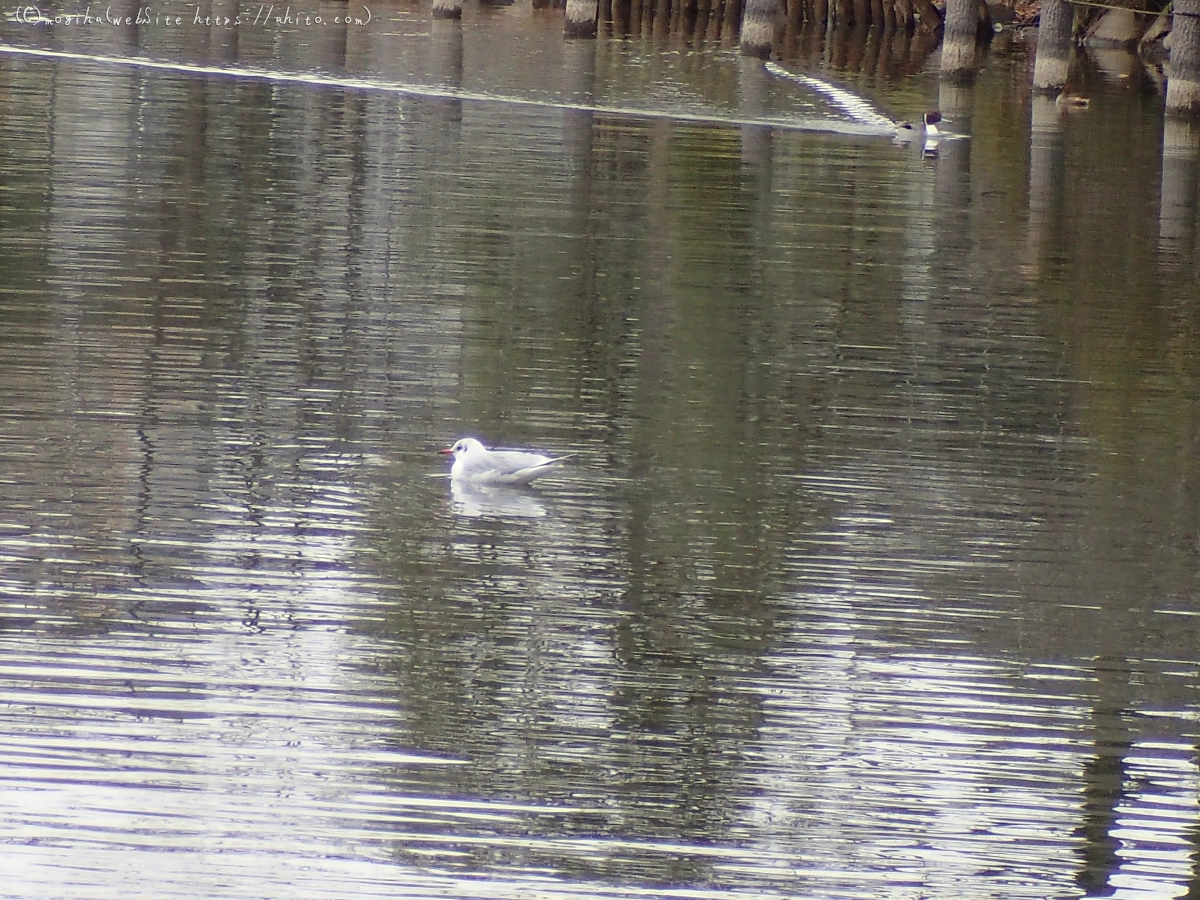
x,y
447,9
581,18
1183,71
1183,97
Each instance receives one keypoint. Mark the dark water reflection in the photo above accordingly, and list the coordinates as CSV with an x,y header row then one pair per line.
x,y
875,574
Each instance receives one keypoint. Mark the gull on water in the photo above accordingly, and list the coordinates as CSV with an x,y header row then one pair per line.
x,y
475,464
905,132
929,121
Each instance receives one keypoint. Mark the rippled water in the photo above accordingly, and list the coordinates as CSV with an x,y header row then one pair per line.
x,y
875,574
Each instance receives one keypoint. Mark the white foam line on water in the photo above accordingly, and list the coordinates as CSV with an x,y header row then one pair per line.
x,y
858,108
854,128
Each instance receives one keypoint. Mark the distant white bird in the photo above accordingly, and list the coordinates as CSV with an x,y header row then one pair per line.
x,y
929,122
905,131
476,464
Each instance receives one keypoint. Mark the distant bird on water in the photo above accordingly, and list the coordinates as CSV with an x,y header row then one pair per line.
x,y
1072,101
929,122
475,464
906,131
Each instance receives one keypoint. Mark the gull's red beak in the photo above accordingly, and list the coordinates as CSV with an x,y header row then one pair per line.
x,y
447,450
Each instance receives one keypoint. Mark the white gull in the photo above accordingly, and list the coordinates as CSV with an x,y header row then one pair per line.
x,y
476,464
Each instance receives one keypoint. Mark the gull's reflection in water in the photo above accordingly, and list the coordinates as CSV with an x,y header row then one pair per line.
x,y
498,500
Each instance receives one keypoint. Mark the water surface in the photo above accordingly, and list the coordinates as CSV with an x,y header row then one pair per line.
x,y
875,575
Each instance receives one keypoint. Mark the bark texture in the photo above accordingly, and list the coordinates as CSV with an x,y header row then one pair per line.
x,y
581,18
927,16
1183,72
1054,47
958,40
761,23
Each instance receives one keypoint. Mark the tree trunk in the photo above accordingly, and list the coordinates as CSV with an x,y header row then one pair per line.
x,y
795,15
928,17
891,18
1053,47
619,13
729,21
581,18
820,12
958,40
1183,73
760,27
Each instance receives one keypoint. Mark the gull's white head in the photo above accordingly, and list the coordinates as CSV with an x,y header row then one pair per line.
x,y
462,447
